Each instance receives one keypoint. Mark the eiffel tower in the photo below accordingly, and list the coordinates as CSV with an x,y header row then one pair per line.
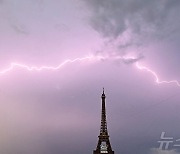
x,y
103,145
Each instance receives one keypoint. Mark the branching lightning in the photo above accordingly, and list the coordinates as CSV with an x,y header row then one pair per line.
x,y
154,74
139,66
41,68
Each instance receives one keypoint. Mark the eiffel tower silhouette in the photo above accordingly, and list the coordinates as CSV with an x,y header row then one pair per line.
x,y
103,145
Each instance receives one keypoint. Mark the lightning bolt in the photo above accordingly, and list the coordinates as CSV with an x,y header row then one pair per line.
x,y
41,68
154,74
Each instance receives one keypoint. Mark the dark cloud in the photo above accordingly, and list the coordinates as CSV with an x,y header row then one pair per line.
x,y
133,60
145,19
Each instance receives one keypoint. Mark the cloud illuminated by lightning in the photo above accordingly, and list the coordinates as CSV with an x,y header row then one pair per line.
x,y
125,59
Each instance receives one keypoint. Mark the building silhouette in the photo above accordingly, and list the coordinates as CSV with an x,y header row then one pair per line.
x,y
103,145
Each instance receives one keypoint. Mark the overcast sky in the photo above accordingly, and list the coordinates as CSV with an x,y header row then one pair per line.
x,y
58,111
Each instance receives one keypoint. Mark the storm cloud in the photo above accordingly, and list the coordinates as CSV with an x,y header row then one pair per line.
x,y
135,22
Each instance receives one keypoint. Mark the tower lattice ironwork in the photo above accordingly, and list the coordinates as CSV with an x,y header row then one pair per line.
x,y
103,145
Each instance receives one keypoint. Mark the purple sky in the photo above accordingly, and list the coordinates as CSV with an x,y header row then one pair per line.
x,y
58,111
